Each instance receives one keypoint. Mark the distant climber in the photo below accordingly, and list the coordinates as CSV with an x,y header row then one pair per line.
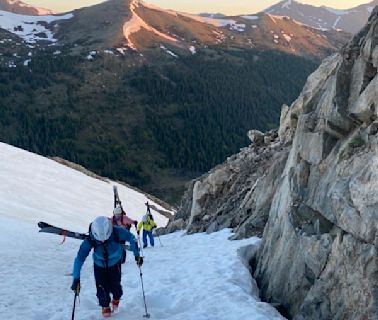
x,y
148,225
106,242
121,219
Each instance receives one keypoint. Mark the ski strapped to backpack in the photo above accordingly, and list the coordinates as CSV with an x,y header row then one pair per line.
x,y
148,208
117,201
48,228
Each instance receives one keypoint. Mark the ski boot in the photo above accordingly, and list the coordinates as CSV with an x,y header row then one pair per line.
x,y
106,312
115,305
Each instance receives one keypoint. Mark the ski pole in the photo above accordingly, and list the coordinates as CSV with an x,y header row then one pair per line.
x,y
77,292
140,246
147,315
74,306
159,240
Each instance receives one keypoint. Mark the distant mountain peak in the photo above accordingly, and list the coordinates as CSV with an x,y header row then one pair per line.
x,y
285,4
19,7
136,26
326,18
149,26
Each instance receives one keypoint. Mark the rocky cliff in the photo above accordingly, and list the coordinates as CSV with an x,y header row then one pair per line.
x,y
312,190
236,194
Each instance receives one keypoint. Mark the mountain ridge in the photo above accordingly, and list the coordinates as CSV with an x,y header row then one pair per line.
x,y
149,115
350,20
118,24
19,7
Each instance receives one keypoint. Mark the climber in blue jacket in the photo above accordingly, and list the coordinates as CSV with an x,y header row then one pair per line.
x,y
106,242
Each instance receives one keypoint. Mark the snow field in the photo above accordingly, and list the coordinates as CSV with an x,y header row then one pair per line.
x,y
30,28
191,277
34,188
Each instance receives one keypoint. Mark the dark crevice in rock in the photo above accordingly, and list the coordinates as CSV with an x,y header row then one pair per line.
x,y
329,142
336,131
312,104
309,275
309,221
373,112
373,130
370,73
284,311
303,173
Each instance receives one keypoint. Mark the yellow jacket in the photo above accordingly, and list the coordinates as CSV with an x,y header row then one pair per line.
x,y
147,223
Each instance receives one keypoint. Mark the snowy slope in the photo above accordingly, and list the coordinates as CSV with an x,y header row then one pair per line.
x,y
192,277
189,277
34,188
30,28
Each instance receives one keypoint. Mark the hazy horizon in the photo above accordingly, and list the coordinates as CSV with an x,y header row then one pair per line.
x,y
213,6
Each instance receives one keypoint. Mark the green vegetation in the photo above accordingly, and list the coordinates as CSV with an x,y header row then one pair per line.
x,y
153,126
351,147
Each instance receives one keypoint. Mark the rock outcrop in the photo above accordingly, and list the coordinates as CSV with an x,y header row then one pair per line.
x,y
236,194
318,257
312,188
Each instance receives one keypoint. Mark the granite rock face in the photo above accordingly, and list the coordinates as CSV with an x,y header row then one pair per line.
x,y
311,190
319,252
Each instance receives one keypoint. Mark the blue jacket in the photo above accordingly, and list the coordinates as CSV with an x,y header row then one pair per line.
x,y
114,249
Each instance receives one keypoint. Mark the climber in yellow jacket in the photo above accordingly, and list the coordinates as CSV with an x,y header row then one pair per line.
x,y
148,225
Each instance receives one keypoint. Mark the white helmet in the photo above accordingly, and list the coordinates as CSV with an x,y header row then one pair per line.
x,y
102,228
117,210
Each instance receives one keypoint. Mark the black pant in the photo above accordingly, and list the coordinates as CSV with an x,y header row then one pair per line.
x,y
108,281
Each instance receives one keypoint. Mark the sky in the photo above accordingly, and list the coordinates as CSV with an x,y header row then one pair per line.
x,y
196,6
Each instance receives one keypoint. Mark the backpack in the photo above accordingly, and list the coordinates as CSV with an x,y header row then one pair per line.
x,y
94,244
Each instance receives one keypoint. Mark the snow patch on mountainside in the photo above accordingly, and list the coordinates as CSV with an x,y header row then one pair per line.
x,y
287,4
168,51
336,22
193,49
136,23
238,27
250,17
211,21
287,37
274,18
30,28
